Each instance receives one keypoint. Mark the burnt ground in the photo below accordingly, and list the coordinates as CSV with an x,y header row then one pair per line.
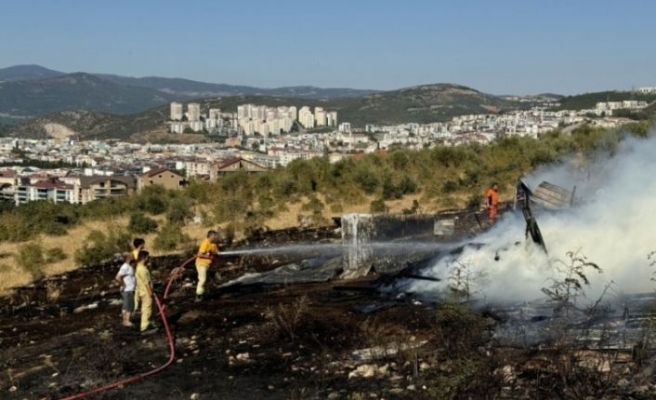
x,y
63,336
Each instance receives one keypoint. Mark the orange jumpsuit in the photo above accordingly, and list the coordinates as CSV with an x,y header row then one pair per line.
x,y
492,203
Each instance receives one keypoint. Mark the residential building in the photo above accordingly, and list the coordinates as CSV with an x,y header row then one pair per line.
x,y
162,176
214,114
344,127
306,118
50,189
176,111
319,116
8,180
647,90
235,165
193,112
99,187
332,118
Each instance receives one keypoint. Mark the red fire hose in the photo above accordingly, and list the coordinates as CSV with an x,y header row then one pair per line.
x,y
169,338
174,275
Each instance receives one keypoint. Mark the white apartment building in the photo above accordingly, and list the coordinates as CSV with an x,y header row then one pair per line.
x,y
193,112
344,127
332,118
293,113
306,118
215,114
319,116
647,89
176,111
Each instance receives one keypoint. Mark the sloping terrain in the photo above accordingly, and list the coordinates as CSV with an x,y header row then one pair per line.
x,y
175,88
589,100
27,72
186,88
422,104
324,340
77,91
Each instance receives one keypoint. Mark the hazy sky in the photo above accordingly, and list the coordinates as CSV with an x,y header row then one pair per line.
x,y
497,46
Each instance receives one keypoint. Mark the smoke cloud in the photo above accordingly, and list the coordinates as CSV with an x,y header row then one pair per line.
x,y
612,224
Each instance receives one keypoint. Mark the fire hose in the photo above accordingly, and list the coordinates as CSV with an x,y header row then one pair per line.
x,y
169,339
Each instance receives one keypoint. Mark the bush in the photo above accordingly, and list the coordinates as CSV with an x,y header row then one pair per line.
x,y
100,247
14,229
170,238
460,328
54,255
152,200
180,210
31,260
140,223
377,206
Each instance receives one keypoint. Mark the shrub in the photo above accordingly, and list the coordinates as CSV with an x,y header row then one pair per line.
x,y
377,206
460,328
14,229
367,179
287,318
30,259
140,223
153,200
171,237
180,210
100,247
54,255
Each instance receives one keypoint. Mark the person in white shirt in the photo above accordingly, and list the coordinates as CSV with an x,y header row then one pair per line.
x,y
125,277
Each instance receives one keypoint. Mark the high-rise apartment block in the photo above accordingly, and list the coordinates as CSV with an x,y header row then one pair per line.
x,y
176,111
215,113
319,116
193,112
306,118
332,118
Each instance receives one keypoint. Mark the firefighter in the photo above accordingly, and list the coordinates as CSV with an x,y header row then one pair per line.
x,y
492,196
207,251
144,291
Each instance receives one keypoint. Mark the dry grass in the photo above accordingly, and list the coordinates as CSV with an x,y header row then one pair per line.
x,y
14,276
11,276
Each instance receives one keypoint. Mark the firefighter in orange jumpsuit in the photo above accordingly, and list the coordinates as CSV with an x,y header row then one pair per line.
x,y
492,202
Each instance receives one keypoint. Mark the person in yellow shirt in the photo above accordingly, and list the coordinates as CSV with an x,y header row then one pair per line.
x,y
144,290
207,250
138,244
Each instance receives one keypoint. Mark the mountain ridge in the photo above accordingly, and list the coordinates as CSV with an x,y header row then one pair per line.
x,y
421,104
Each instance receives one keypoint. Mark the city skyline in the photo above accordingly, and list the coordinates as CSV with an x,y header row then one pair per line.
x,y
510,48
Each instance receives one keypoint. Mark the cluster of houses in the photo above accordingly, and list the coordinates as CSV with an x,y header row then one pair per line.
x,y
22,185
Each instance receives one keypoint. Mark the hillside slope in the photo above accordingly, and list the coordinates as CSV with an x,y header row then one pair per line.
x,y
422,104
589,100
78,91
185,88
27,72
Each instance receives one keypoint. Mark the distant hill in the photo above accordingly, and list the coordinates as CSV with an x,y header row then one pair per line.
x,y
78,91
32,90
589,100
422,104
27,72
186,88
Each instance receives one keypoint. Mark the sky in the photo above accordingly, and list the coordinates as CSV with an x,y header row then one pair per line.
x,y
496,46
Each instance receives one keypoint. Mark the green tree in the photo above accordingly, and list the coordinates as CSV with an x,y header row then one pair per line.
x,y
141,224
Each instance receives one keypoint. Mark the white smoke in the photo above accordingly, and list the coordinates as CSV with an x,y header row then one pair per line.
x,y
612,225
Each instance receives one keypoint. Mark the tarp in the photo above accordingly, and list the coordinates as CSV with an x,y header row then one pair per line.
x,y
305,272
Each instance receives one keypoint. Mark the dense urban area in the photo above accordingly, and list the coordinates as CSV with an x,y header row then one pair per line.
x,y
257,138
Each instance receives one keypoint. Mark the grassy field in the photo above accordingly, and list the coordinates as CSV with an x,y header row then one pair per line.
x,y
13,276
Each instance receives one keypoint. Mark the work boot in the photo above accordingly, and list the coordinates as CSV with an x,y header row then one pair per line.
x,y
149,331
